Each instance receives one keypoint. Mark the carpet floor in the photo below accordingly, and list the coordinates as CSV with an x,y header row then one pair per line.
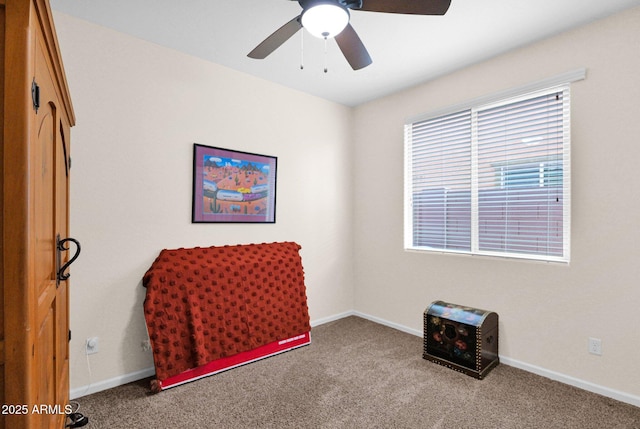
x,y
358,374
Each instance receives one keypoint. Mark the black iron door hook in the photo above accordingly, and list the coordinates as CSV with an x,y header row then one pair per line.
x,y
60,247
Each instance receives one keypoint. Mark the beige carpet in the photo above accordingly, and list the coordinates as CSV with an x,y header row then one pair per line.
x,y
358,374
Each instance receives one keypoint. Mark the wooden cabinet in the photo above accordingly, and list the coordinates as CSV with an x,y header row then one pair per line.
x,y
35,120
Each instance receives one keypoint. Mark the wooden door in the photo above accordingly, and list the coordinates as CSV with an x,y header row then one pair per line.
x,y
35,194
2,311
50,179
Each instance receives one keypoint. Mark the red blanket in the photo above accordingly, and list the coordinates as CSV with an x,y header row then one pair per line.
x,y
203,304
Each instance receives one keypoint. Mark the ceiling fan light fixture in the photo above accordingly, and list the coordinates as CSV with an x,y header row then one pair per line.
x,y
325,20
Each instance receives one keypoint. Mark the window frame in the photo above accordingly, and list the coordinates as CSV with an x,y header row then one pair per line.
x,y
560,83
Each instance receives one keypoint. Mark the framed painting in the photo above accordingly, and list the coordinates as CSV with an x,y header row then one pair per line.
x,y
233,186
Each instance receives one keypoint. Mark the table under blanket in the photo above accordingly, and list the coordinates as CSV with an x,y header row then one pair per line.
x,y
217,303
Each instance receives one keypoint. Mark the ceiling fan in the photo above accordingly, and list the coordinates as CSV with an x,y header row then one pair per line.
x,y
330,19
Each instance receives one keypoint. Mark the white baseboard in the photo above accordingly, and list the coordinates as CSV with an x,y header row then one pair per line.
x,y
563,378
318,322
389,324
111,383
572,381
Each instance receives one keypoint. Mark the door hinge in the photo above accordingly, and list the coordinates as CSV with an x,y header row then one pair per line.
x,y
69,335
35,95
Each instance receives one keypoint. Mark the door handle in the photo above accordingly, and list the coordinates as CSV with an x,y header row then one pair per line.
x,y
60,247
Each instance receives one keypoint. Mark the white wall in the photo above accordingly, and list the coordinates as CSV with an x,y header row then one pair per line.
x,y
140,107
547,311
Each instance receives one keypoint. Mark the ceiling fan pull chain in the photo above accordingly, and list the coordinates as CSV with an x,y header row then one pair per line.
x,y
325,54
302,50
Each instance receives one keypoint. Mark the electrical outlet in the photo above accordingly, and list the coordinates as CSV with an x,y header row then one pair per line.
x,y
146,345
595,346
91,345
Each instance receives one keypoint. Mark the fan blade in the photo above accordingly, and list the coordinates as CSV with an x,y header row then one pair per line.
x,y
409,7
276,39
353,48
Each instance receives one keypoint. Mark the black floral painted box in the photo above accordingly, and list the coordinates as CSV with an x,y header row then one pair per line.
x,y
462,338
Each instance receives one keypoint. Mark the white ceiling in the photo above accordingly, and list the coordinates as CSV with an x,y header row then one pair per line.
x,y
406,50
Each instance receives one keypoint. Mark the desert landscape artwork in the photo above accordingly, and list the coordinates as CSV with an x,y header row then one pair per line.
x,y
233,186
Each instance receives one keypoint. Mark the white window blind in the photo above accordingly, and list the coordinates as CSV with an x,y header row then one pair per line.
x,y
492,179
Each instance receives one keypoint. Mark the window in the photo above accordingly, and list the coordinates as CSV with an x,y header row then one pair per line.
x,y
492,178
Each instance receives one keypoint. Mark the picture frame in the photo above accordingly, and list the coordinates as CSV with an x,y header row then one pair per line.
x,y
231,186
